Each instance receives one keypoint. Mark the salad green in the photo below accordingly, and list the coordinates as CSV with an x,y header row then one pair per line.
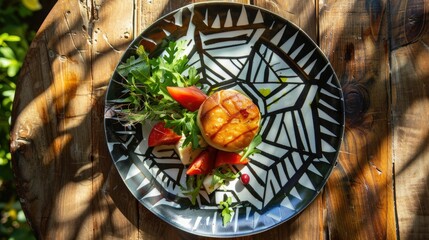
x,y
194,184
146,81
227,211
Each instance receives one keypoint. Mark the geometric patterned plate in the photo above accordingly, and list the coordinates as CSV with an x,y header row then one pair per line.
x,y
275,63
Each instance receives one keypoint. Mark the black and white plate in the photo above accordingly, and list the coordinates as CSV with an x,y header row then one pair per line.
x,y
275,63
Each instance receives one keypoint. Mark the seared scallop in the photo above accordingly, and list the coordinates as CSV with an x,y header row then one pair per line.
x,y
229,120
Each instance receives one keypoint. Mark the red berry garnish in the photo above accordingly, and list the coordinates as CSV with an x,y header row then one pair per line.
x,y
245,179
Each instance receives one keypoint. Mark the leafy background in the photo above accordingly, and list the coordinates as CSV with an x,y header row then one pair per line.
x,y
19,21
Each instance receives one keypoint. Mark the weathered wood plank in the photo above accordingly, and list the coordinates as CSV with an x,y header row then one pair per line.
x,y
302,13
114,209
410,76
57,117
359,194
409,21
410,94
51,127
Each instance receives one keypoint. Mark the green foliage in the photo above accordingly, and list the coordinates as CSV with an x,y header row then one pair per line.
x,y
147,80
227,211
14,39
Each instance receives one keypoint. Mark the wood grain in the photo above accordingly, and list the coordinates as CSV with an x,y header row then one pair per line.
x,y
409,21
410,101
69,188
411,139
60,159
359,194
112,29
302,13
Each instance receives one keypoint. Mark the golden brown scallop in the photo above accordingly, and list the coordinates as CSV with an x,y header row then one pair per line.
x,y
228,120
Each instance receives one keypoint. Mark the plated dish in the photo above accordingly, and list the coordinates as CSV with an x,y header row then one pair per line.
x,y
251,50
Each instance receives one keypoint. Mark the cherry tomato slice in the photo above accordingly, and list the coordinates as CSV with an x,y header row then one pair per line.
x,y
190,98
203,163
232,158
160,135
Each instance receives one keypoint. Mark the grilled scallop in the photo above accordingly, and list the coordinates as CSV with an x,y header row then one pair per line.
x,y
228,120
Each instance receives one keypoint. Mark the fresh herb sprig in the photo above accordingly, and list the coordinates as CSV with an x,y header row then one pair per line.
x,y
193,186
251,149
222,175
227,211
145,81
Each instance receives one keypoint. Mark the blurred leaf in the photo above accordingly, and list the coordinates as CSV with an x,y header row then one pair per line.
x,y
21,216
5,63
13,38
3,161
12,214
7,52
33,5
6,37
21,234
13,69
8,93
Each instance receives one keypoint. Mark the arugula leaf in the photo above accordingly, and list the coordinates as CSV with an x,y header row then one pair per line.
x,y
227,211
133,63
193,186
142,52
186,125
146,79
194,78
223,174
251,149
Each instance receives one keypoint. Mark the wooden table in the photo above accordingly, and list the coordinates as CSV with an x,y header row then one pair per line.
x,y
69,188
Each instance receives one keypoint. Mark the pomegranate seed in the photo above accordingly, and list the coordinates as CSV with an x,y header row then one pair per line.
x,y
245,179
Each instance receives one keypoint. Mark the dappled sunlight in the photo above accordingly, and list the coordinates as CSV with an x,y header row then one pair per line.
x,y
71,189
359,194
54,122
411,138
76,205
302,15
410,102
